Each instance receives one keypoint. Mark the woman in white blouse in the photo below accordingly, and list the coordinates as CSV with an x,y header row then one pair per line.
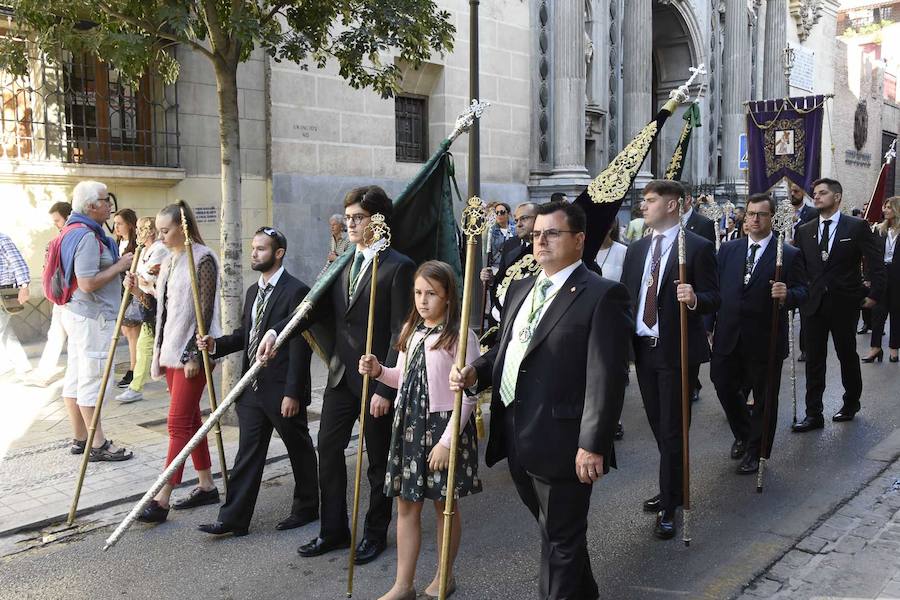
x,y
611,256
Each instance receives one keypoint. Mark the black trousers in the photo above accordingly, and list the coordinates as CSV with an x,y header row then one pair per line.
x,y
840,320
561,509
660,387
257,417
732,374
340,410
880,314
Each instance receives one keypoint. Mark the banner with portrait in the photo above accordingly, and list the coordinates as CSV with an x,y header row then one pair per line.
x,y
784,140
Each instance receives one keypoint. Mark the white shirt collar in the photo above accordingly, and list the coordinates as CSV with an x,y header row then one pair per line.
x,y
687,214
558,279
273,280
670,234
368,252
834,221
763,244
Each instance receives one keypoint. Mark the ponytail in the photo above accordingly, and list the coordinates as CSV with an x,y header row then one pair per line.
x,y
173,211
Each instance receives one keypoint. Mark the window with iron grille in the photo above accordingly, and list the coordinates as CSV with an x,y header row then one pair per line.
x,y
78,109
411,117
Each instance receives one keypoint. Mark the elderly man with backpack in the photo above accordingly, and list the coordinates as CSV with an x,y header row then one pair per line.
x,y
82,274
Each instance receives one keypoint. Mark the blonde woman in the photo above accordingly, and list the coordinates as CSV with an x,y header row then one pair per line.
x,y
144,294
889,305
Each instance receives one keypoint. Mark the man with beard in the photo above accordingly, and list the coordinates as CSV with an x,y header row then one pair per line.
x,y
511,251
277,399
803,212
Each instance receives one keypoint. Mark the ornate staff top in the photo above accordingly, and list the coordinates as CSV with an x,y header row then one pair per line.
x,y
377,234
782,221
682,251
891,153
683,92
465,121
728,209
474,218
709,208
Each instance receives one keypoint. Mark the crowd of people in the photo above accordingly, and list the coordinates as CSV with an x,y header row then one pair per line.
x,y
583,319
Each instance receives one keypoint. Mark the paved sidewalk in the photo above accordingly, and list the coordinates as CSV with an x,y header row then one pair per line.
x,y
853,553
37,473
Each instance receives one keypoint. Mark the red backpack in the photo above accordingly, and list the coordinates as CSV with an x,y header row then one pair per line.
x,y
57,289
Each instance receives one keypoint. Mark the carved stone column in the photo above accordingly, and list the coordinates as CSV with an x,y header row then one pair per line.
x,y
637,73
774,85
568,74
737,73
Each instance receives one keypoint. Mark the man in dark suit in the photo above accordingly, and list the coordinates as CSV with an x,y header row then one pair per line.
x,y
833,247
803,212
558,376
740,353
650,273
511,251
343,312
694,221
277,400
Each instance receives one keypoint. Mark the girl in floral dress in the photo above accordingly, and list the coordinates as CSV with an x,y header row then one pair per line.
x,y
420,443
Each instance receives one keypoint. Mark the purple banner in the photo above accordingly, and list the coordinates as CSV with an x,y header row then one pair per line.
x,y
784,140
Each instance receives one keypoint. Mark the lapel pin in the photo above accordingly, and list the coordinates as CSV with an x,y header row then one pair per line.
x,y
573,289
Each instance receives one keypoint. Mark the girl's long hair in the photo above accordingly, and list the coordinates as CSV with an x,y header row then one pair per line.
x,y
173,211
440,274
894,203
130,218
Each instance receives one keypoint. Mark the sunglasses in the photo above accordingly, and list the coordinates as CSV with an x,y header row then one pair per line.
x,y
280,240
501,212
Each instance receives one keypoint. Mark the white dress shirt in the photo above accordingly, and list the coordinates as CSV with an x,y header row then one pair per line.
x,y
763,244
889,241
670,238
273,281
832,228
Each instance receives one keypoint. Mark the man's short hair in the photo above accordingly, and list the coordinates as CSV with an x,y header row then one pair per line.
x,y
558,197
687,188
63,208
834,186
754,198
278,239
575,218
533,206
86,194
665,188
372,199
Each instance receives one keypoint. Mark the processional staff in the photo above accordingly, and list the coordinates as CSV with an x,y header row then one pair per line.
x,y
201,331
377,237
107,369
685,383
783,220
474,222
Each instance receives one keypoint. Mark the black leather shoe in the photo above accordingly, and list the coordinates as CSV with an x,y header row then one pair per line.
x,y
695,395
368,550
653,504
196,498
738,448
318,546
842,415
862,330
808,424
749,465
220,528
620,432
154,513
665,525
294,521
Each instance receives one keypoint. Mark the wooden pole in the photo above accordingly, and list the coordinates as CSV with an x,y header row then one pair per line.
x,y
685,384
101,395
201,331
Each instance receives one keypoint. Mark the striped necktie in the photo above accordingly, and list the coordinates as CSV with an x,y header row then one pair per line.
x,y
262,298
515,350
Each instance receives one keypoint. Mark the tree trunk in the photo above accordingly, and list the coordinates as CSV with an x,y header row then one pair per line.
x,y
232,281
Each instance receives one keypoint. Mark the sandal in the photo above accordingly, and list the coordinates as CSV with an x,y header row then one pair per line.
x,y
77,446
103,453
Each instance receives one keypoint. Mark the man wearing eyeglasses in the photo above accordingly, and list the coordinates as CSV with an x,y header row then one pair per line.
x,y
277,398
511,251
650,273
558,375
343,313
740,355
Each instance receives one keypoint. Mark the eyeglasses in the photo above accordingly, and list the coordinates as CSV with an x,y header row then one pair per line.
x,y
358,218
758,215
551,235
524,218
500,212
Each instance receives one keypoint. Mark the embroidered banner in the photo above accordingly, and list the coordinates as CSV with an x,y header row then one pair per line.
x,y
784,141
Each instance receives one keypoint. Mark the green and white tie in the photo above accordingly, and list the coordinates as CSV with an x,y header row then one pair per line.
x,y
515,351
355,272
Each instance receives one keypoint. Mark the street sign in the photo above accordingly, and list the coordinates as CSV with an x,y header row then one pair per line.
x,y
743,162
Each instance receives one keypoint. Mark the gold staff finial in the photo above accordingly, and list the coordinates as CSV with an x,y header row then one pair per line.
x,y
475,219
377,234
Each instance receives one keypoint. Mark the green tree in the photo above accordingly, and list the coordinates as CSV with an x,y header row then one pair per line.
x,y
361,36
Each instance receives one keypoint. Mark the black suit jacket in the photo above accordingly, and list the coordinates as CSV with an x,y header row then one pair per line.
x,y
347,321
701,274
745,316
841,276
288,373
571,381
702,226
